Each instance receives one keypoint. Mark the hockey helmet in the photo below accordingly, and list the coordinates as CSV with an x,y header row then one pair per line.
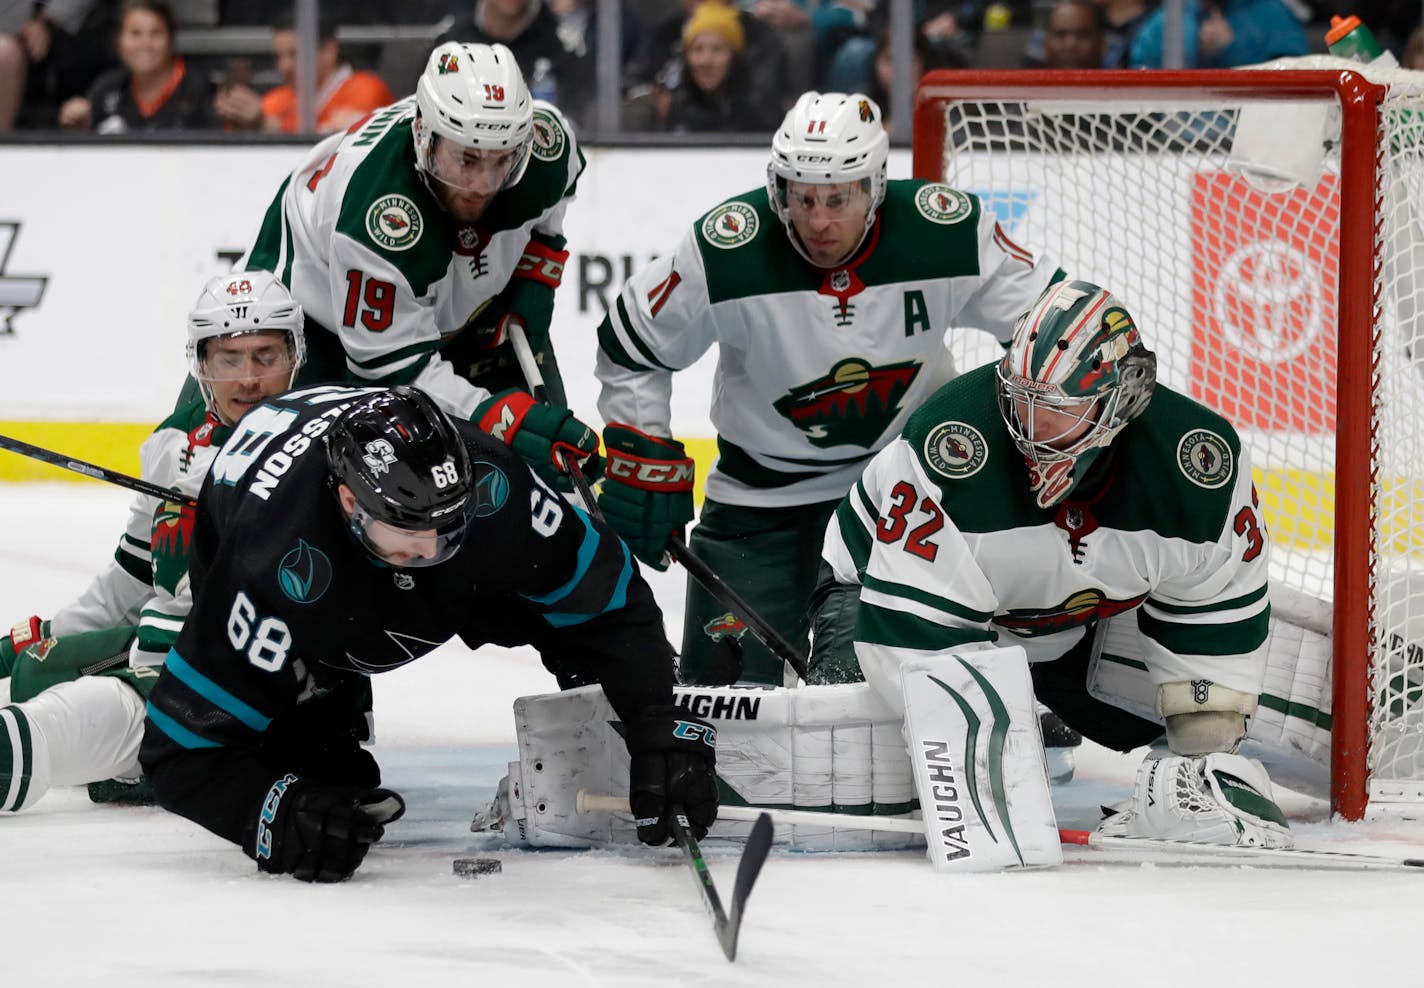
x,y
475,97
829,139
1075,374
237,304
406,466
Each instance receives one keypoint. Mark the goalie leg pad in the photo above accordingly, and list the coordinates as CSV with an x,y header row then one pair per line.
x,y
1216,799
972,726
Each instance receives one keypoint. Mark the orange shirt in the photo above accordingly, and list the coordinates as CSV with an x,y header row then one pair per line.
x,y
346,97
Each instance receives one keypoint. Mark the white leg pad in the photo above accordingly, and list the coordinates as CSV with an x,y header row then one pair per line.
x,y
83,731
834,748
972,727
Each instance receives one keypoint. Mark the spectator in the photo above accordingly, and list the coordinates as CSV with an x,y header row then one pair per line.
x,y
1122,19
1225,34
924,57
343,95
710,90
557,72
852,67
764,58
1073,37
49,53
152,89
1414,50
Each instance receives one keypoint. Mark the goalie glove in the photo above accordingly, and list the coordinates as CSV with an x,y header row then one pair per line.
x,y
1211,799
545,436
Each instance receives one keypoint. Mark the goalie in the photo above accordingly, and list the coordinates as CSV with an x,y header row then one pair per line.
x,y
1028,502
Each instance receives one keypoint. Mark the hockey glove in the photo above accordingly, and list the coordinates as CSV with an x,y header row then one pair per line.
x,y
542,434
318,832
21,636
672,767
1211,799
647,492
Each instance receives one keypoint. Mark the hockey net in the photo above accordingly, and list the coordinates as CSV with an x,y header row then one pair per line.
x,y
1263,226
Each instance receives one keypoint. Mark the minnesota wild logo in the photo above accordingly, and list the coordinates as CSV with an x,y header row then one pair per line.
x,y
394,222
726,625
730,226
549,140
866,113
852,405
448,63
941,204
1078,609
172,537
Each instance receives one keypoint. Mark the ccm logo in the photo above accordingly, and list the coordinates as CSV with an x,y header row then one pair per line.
x,y
659,474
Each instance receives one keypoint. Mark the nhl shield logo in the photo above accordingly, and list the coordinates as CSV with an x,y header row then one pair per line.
x,y
840,281
941,204
956,450
730,226
1205,459
549,141
394,222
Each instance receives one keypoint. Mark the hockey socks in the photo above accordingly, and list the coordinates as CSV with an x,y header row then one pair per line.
x,y
16,757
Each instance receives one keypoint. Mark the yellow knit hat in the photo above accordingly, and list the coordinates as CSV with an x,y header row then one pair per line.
x,y
719,18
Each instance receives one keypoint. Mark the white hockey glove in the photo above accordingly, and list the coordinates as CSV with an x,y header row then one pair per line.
x,y
1211,799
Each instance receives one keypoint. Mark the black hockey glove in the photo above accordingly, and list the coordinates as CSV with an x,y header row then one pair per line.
x,y
672,765
319,832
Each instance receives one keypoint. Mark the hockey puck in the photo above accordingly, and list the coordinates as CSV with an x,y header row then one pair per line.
x,y
475,867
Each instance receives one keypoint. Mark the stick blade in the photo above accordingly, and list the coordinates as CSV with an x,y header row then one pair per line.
x,y
753,857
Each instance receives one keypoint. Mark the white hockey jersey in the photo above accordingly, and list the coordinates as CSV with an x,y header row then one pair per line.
x,y
373,258
817,369
146,585
950,548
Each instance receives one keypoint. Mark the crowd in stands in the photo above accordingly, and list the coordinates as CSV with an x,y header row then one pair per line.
x,y
688,66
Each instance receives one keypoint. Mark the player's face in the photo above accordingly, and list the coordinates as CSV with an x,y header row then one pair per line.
x,y
829,219
1057,427
466,180
244,370
394,546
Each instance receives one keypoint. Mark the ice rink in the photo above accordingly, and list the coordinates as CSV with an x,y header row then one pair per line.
x,y
120,896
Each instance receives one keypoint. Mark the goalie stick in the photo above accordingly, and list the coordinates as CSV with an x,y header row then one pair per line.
x,y
677,549
1298,857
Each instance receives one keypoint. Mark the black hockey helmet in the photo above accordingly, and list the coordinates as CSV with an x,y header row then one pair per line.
x,y
407,467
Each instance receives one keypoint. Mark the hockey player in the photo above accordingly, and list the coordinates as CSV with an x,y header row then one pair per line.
x,y
347,532
413,239
1028,503
828,294
78,681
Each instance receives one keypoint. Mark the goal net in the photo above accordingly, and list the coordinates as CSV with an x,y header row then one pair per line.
x,y
1263,227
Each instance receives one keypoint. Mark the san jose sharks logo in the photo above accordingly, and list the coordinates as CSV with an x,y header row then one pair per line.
x,y
1079,609
379,456
853,405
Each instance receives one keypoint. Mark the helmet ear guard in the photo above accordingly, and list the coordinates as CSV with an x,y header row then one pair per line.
x,y
1076,358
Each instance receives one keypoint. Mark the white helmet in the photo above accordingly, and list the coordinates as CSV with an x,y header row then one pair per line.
x,y
828,139
474,96
236,304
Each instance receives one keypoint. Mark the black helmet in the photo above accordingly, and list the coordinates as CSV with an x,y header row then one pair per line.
x,y
407,467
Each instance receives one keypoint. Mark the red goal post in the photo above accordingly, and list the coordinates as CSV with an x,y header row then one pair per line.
x,y
1261,226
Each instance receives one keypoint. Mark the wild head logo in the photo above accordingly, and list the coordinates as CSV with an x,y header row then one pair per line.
x,y
1083,607
172,537
448,63
725,626
866,113
853,405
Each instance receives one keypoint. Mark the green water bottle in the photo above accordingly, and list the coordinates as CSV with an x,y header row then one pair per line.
x,y
1349,38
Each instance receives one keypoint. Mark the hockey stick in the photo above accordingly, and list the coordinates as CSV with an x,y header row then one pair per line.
x,y
92,471
727,924
1294,856
588,802
678,549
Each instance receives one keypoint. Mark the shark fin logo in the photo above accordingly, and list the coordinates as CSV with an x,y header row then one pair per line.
x,y
852,405
304,574
17,291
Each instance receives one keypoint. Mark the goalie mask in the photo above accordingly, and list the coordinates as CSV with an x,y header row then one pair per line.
x,y
409,472
834,139
241,304
474,112
1075,374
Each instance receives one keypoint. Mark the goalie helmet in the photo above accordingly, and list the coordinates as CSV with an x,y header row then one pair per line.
x,y
237,304
829,139
1075,374
475,97
407,467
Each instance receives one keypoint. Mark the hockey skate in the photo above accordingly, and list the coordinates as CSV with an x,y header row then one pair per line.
x,y
1059,743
